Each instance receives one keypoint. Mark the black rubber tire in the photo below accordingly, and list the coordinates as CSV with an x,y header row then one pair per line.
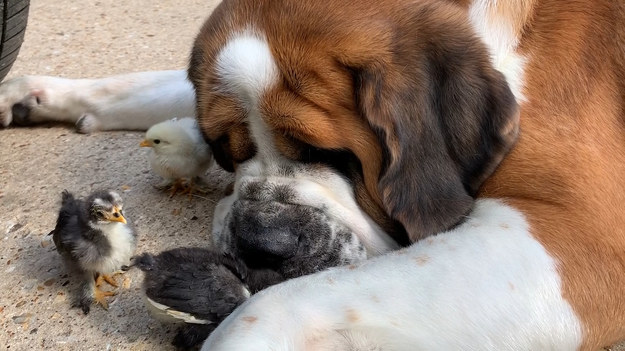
x,y
13,26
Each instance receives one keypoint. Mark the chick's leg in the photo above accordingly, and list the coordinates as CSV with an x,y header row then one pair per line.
x,y
110,278
188,189
174,186
91,293
87,293
106,278
195,185
200,185
101,295
164,185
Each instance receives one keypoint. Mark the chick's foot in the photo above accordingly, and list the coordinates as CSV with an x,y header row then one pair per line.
x,y
110,279
99,296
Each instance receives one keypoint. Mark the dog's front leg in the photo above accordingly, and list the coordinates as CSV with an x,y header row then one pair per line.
x,y
486,285
133,101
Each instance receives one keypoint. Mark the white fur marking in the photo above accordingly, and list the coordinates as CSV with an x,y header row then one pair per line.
x,y
501,39
247,70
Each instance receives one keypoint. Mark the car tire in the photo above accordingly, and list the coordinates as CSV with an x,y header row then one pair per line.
x,y
13,26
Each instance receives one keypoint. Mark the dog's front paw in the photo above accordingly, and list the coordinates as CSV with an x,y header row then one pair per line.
x,y
18,98
87,123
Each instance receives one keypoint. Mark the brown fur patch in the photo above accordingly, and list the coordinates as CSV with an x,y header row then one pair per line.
x,y
375,84
566,173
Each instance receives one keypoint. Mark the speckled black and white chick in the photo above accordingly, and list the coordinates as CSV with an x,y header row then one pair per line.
x,y
198,288
95,240
179,153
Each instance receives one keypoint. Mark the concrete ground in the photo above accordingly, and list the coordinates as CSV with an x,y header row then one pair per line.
x,y
91,38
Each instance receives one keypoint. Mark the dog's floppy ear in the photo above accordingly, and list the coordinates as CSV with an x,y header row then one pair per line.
x,y
444,117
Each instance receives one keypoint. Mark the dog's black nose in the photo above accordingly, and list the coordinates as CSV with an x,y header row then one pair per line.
x,y
21,114
265,232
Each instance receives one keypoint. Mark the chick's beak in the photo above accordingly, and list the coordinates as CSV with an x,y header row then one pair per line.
x,y
117,216
146,143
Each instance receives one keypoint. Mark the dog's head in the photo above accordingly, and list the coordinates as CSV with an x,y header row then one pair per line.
x,y
378,119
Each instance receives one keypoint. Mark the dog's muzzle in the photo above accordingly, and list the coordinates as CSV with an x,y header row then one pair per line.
x,y
293,239
268,232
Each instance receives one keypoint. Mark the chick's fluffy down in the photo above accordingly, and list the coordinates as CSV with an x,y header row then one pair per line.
x,y
179,151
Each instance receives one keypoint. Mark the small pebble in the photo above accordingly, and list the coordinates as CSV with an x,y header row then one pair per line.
x,y
60,298
30,284
24,318
14,227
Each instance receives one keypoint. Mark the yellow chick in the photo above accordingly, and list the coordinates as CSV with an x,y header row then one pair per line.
x,y
179,153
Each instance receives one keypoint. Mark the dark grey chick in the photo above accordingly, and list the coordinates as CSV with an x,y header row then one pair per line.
x,y
199,288
95,240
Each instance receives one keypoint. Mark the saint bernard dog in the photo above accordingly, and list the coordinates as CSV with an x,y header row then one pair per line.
x,y
469,153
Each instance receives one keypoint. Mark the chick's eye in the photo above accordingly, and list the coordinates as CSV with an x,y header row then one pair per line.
x,y
157,141
116,215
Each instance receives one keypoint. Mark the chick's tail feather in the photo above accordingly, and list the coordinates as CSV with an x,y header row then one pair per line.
x,y
70,207
69,204
67,197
